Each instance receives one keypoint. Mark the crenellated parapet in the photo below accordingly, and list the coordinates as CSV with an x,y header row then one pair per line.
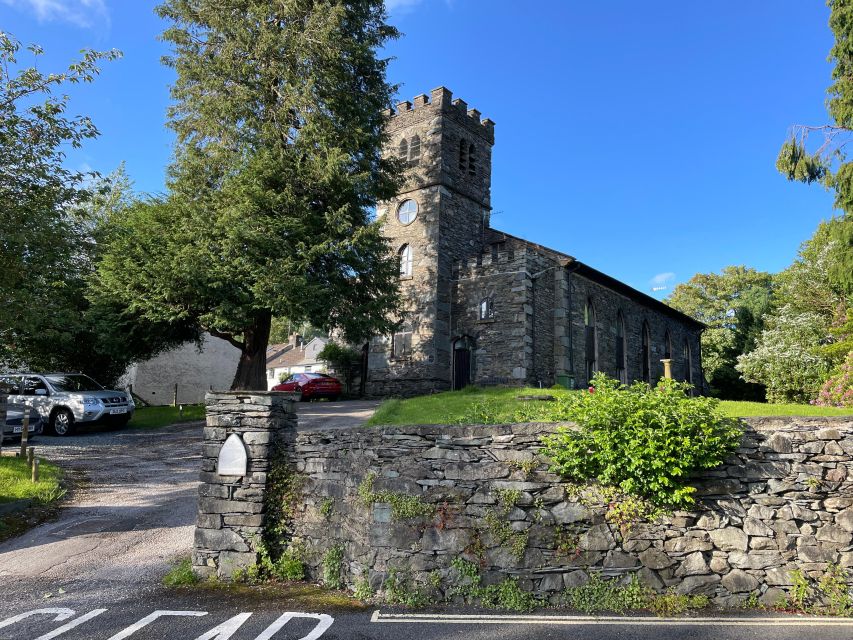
x,y
439,102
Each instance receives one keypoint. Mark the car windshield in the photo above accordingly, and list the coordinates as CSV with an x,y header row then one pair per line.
x,y
72,383
314,375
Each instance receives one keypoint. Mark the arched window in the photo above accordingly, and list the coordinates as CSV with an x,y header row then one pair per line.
x,y
401,343
645,353
487,308
472,159
403,151
414,149
667,345
463,155
688,362
591,338
405,254
621,350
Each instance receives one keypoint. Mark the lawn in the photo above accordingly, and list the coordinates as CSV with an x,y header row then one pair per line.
x,y
154,417
497,404
16,482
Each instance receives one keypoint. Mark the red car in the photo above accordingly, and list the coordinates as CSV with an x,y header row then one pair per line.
x,y
307,386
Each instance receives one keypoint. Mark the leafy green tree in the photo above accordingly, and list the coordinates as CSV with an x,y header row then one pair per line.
x,y
277,112
44,240
341,359
732,303
828,163
794,353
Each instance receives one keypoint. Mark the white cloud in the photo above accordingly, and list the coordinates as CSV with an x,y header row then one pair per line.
x,y
82,13
662,278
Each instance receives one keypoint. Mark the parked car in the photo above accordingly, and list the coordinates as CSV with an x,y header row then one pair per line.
x,y
14,425
307,386
65,400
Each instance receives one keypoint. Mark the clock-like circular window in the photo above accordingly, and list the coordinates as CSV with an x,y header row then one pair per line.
x,y
407,211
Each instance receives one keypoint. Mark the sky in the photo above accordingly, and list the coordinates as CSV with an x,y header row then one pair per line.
x,y
638,137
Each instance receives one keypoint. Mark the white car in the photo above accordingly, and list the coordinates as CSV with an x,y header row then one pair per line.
x,y
64,400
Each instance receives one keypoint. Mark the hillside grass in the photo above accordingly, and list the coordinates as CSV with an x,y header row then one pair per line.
x,y
502,404
156,417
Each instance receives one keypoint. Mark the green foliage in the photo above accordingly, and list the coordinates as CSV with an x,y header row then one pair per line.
x,y
363,590
829,594
506,595
796,163
181,574
732,303
277,111
507,499
399,588
599,595
645,441
403,506
333,566
341,359
156,417
498,526
837,391
326,507
673,604
279,558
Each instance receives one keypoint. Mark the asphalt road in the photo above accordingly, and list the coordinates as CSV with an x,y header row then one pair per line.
x,y
95,572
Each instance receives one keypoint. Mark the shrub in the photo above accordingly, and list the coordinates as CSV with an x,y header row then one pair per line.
x,y
645,441
837,391
181,574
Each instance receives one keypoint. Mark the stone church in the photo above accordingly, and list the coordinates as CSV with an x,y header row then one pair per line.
x,y
485,307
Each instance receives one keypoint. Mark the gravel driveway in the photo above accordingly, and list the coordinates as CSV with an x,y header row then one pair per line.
x,y
133,512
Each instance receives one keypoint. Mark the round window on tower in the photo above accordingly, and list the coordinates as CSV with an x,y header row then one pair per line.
x,y
407,211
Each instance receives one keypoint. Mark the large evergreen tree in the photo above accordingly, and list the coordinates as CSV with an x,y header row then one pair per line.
x,y
278,163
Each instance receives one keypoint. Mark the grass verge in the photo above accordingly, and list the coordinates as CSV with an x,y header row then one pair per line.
x,y
16,484
156,417
497,403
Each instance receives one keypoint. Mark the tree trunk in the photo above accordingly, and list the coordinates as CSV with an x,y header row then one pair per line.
x,y
252,370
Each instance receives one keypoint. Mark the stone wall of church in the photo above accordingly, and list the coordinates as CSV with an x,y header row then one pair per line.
x,y
608,304
503,351
542,270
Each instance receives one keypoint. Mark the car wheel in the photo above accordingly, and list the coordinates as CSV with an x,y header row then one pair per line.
x,y
62,422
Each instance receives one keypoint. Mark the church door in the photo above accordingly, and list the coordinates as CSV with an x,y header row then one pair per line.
x,y
461,364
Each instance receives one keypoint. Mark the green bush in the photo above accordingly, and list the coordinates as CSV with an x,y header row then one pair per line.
x,y
181,574
645,441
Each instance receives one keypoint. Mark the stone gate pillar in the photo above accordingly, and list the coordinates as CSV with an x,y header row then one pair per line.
x,y
231,507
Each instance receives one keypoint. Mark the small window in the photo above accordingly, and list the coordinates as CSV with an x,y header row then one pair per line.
x,y
414,150
667,346
487,309
407,211
472,159
308,369
405,254
401,346
403,150
463,155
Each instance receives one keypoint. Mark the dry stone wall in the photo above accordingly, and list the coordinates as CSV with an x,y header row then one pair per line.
x,y
411,499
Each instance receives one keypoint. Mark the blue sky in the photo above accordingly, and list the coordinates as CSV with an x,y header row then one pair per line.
x,y
639,137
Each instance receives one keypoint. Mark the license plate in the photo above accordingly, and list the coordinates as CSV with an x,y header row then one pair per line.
x,y
21,429
118,411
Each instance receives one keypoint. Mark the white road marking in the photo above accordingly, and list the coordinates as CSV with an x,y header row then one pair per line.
x,y
76,622
323,624
151,618
224,630
61,614
420,618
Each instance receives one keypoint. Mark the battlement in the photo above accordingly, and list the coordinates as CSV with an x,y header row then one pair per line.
x,y
487,263
441,99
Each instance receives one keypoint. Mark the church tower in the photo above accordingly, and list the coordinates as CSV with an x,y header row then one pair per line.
x,y
440,216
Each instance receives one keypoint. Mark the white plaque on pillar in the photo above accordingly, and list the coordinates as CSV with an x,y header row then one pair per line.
x,y
232,457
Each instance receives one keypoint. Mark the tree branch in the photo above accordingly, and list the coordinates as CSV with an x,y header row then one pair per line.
x,y
227,337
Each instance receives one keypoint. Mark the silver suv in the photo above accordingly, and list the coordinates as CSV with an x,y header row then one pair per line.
x,y
66,399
